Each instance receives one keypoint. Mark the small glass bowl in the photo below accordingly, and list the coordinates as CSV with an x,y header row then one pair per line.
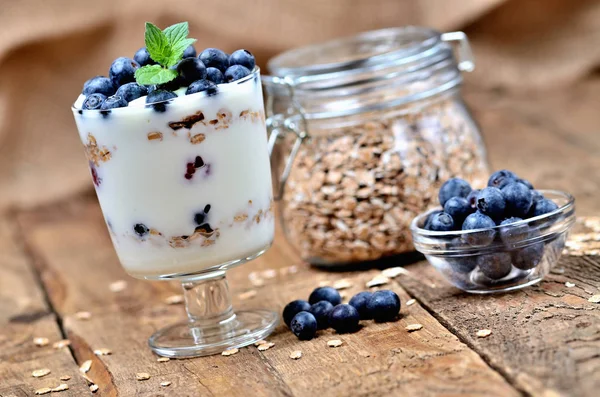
x,y
502,258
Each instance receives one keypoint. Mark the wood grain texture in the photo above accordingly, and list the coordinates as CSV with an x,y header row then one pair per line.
x,y
24,315
72,245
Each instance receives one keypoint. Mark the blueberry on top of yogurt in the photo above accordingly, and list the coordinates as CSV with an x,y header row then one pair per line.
x,y
158,70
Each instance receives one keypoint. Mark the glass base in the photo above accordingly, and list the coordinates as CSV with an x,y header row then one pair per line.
x,y
190,340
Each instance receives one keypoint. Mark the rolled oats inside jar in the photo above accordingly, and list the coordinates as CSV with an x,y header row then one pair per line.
x,y
387,126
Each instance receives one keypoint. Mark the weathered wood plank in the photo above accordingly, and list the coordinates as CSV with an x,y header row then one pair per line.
x,y
24,315
72,246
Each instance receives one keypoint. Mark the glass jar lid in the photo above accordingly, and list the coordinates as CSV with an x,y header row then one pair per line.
x,y
372,70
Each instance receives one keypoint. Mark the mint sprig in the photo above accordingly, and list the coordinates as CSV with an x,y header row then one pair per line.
x,y
165,47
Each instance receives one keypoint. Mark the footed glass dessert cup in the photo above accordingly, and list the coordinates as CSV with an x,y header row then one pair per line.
x,y
501,258
185,189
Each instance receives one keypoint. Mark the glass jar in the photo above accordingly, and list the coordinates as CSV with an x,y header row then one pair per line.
x,y
364,131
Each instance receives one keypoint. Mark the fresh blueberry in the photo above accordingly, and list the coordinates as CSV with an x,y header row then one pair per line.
x,y
525,182
189,52
122,71
202,85
321,312
544,206
475,221
215,58
157,99
518,199
214,75
191,69
472,198
98,85
384,305
304,325
441,222
458,208
329,294
142,57
113,102
359,301
293,308
511,234
501,178
344,318
427,224
93,101
131,91
464,264
236,72
454,187
496,265
535,197
490,202
243,58
528,257
140,229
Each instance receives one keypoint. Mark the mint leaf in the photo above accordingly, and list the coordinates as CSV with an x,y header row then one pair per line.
x,y
154,74
157,44
177,32
178,41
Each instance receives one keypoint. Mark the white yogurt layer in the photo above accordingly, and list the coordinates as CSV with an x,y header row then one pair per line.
x,y
140,160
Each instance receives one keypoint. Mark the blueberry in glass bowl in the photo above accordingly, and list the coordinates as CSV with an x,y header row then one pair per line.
x,y
485,256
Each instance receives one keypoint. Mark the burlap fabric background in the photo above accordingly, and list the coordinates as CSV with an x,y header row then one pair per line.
x,y
48,48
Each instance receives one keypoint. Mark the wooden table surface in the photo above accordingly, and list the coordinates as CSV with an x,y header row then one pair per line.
x,y
57,261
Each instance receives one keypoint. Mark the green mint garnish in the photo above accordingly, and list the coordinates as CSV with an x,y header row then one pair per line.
x,y
165,47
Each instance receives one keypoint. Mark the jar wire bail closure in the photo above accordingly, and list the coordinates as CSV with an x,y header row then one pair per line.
x,y
279,124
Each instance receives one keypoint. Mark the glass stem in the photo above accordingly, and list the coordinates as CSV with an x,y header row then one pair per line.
x,y
208,301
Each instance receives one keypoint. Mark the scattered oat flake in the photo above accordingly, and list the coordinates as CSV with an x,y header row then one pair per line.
x,y
260,342
484,333
594,299
295,355
165,383
118,286
394,272
83,315
410,302
265,346
323,283
43,390
65,377
41,341
413,327
174,300
569,284
38,373
61,343
342,284
230,352
334,343
142,376
269,273
163,359
247,295
61,387
87,379
94,388
103,352
377,280
85,367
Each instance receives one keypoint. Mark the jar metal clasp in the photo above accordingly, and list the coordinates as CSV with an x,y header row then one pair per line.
x,y
278,125
466,61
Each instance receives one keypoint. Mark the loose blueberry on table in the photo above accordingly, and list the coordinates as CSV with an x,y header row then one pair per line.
x,y
156,71
305,319
507,202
